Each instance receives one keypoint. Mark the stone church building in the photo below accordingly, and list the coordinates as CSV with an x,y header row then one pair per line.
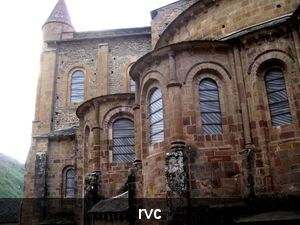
x,y
197,115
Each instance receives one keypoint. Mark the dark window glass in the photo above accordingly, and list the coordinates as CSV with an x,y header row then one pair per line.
x,y
77,86
277,98
156,126
210,107
132,86
123,141
70,177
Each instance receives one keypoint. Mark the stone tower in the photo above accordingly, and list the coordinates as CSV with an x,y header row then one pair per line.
x,y
58,22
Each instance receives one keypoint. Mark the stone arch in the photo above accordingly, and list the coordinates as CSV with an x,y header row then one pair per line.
x,y
68,75
259,67
153,75
114,113
64,169
217,73
210,67
255,65
148,87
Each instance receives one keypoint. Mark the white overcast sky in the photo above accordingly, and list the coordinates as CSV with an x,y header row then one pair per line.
x,y
20,39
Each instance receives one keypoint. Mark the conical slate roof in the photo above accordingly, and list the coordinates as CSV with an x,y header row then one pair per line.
x,y
60,14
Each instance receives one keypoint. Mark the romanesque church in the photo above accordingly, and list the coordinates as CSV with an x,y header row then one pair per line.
x,y
197,115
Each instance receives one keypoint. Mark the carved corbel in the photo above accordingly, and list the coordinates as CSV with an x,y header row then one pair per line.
x,y
191,50
216,2
204,8
271,36
146,65
135,106
193,15
184,22
257,39
212,48
176,30
157,60
245,44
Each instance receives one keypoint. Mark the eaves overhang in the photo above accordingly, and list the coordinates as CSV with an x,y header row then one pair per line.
x,y
70,132
156,55
103,99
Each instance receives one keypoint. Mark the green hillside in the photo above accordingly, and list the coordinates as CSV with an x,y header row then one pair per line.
x,y
11,177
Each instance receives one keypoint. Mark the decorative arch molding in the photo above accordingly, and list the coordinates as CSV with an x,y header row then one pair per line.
x,y
64,170
68,76
75,66
115,113
88,124
281,55
153,75
200,76
211,67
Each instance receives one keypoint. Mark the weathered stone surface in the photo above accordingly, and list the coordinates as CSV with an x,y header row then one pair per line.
x,y
233,43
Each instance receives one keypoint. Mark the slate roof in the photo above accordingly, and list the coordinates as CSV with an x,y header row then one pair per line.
x,y
60,14
118,203
60,133
9,210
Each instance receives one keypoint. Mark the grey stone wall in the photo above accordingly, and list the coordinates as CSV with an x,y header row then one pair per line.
x,y
122,52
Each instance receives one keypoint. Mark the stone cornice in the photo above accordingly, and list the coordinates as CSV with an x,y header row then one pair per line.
x,y
97,101
105,34
146,61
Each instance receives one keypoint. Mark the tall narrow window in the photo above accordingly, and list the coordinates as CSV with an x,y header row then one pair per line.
x,y
210,107
70,177
277,98
123,141
156,125
132,86
77,86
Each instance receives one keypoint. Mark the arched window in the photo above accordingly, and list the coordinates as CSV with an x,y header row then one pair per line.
x,y
132,86
277,98
210,107
123,141
70,186
156,125
77,86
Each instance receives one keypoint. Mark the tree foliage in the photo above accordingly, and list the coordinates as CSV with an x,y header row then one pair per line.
x,y
11,177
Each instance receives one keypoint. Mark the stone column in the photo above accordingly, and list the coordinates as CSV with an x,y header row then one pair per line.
x,y
137,132
249,151
133,181
242,96
177,183
174,105
39,187
137,121
96,140
297,43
